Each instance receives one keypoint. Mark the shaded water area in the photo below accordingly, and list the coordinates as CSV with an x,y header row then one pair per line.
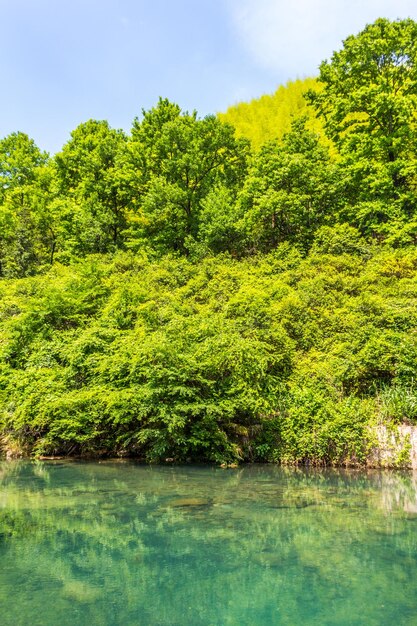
x,y
113,543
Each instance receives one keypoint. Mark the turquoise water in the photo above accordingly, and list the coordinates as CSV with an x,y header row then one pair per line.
x,y
122,544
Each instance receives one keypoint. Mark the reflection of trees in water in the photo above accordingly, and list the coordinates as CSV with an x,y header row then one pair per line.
x,y
259,541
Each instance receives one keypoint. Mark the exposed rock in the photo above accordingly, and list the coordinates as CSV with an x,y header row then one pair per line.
x,y
395,446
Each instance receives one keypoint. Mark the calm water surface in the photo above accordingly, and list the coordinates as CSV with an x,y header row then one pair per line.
x,y
112,543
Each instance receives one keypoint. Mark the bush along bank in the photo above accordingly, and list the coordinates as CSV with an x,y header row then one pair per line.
x,y
274,358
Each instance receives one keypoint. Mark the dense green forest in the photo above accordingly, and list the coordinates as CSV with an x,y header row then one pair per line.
x,y
195,292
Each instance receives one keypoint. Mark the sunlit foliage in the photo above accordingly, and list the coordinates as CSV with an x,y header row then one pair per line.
x,y
173,293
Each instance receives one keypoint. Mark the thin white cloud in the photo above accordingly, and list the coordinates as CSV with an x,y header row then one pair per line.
x,y
292,37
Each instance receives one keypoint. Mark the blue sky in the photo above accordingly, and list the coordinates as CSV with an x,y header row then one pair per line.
x,y
63,62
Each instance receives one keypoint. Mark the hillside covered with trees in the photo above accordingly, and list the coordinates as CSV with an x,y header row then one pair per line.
x,y
195,292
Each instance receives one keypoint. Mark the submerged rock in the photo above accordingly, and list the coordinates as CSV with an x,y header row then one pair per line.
x,y
269,559
80,591
188,502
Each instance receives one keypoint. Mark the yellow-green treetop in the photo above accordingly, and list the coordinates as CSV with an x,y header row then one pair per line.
x,y
270,116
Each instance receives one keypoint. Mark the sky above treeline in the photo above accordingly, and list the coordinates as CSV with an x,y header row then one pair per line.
x,y
63,62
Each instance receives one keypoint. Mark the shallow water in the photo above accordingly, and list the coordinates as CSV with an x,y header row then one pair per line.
x,y
121,544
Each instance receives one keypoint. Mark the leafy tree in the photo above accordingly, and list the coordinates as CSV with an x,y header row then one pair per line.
x,y
19,158
368,102
178,160
91,185
221,228
26,239
289,191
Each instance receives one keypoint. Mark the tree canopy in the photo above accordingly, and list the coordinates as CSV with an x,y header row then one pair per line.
x,y
180,292
368,104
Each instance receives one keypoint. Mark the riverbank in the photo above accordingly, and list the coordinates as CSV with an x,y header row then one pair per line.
x,y
393,447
